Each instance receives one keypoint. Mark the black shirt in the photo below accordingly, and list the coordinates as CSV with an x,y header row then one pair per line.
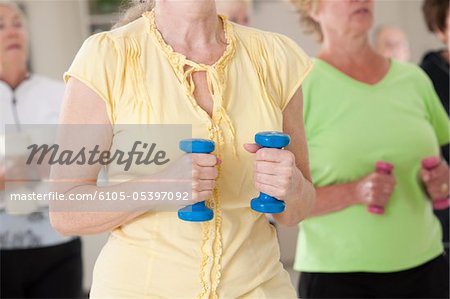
x,y
437,68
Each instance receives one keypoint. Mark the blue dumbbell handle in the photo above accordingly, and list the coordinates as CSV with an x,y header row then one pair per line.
x,y
197,212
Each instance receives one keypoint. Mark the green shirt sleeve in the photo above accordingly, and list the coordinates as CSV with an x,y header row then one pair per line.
x,y
436,113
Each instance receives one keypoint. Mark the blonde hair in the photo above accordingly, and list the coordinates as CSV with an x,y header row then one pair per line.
x,y
304,8
134,11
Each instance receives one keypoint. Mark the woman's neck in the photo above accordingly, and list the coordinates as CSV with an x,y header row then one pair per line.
x,y
12,75
342,51
192,24
355,58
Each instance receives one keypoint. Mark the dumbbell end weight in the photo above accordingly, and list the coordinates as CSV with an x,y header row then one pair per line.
x,y
197,212
267,204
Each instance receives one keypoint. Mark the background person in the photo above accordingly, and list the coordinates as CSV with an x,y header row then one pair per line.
x,y
361,108
391,42
36,262
436,65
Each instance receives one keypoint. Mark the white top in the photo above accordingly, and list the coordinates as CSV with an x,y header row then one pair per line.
x,y
37,101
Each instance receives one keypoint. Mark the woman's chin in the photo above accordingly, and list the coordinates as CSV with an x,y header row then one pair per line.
x,y
363,26
16,57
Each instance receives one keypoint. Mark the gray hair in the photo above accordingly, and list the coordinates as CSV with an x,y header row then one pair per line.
x,y
134,11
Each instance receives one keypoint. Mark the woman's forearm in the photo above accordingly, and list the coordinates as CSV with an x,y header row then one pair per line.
x,y
334,198
84,218
71,219
299,205
89,223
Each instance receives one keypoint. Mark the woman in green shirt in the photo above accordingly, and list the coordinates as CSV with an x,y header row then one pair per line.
x,y
360,108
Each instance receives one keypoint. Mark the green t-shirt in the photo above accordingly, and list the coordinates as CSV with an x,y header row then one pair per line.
x,y
351,125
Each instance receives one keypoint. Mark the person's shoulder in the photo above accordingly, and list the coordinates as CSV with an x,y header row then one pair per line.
x,y
411,74
104,45
280,52
430,55
133,29
432,61
409,70
244,32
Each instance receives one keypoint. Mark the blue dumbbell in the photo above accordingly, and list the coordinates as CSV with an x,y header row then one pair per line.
x,y
266,203
197,212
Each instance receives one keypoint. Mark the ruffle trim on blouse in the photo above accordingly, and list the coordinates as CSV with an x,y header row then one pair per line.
x,y
216,81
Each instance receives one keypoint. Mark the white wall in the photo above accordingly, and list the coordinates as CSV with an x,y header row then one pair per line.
x,y
55,34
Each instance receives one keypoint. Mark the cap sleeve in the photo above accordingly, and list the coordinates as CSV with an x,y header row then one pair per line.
x,y
291,66
95,65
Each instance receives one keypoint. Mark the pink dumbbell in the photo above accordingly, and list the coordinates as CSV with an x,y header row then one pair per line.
x,y
383,168
429,164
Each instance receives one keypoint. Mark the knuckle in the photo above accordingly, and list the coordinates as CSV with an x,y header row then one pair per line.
x,y
215,173
193,157
212,160
205,159
285,171
259,177
195,195
257,166
195,172
261,187
195,185
263,153
211,184
205,195
284,182
290,173
290,156
282,192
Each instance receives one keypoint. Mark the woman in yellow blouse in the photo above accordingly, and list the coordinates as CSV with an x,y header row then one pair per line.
x,y
182,64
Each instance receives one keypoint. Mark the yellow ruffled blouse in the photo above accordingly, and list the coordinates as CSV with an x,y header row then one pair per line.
x,y
144,81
